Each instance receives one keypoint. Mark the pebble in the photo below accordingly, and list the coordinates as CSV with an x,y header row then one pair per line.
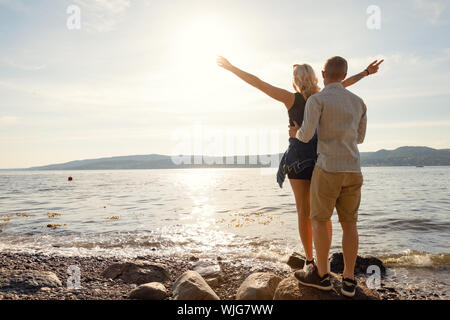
x,y
97,291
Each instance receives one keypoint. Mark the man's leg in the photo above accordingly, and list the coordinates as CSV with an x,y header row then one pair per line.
x,y
330,231
349,247
325,188
322,242
347,206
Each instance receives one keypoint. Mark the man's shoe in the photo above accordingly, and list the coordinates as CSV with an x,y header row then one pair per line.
x,y
348,287
310,278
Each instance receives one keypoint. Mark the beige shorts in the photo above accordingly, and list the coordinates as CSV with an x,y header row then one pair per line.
x,y
335,189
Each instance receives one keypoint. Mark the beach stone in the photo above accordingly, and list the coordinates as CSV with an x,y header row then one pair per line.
x,y
11,296
296,261
149,291
28,279
138,272
258,286
191,286
96,292
212,282
362,263
208,269
291,289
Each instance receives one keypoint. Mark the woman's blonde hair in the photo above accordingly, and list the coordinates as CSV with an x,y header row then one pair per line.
x,y
305,80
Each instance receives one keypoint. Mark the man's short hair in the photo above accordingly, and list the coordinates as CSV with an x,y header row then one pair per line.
x,y
336,68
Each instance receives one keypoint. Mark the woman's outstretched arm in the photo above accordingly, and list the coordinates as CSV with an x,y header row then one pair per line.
x,y
371,69
278,94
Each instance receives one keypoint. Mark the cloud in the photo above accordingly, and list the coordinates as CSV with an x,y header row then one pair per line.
x,y
8,120
24,67
101,15
432,9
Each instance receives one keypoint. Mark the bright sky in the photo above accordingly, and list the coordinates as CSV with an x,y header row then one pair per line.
x,y
137,71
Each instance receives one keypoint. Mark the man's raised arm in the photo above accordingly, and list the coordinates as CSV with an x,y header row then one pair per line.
x,y
362,126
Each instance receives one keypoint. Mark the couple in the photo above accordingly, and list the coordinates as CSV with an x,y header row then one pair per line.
x,y
322,161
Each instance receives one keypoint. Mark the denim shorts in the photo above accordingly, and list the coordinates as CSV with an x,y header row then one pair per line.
x,y
305,174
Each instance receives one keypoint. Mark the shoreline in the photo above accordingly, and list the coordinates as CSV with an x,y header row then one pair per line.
x,y
96,287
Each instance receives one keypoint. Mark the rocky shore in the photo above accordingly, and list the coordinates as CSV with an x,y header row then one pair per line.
x,y
40,277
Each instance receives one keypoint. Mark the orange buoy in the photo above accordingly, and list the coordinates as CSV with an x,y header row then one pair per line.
x,y
70,179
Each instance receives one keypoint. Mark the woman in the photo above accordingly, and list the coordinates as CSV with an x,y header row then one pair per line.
x,y
299,161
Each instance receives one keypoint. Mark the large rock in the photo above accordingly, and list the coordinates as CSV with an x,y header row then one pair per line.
x,y
296,261
28,279
191,286
291,289
258,286
149,291
138,272
362,263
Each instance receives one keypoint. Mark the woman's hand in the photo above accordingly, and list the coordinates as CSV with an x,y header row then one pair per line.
x,y
293,130
373,67
224,63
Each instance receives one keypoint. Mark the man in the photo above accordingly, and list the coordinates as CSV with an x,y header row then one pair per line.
x,y
340,117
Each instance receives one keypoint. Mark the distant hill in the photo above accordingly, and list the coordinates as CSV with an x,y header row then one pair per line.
x,y
407,156
404,156
153,161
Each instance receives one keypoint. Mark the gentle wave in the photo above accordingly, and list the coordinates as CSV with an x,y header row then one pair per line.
x,y
418,259
415,224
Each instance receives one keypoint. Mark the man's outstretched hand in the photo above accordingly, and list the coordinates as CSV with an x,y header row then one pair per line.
x,y
293,130
374,66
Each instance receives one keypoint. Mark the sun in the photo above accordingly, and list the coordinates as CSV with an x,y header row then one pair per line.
x,y
198,41
190,72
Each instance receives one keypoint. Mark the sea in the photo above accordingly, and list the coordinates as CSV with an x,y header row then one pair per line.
x,y
238,214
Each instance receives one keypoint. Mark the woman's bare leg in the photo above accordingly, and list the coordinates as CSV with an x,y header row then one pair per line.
x,y
301,193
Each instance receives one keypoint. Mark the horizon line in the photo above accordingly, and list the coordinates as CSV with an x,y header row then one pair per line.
x,y
193,155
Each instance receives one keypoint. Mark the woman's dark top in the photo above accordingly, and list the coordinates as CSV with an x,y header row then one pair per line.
x,y
300,158
297,111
